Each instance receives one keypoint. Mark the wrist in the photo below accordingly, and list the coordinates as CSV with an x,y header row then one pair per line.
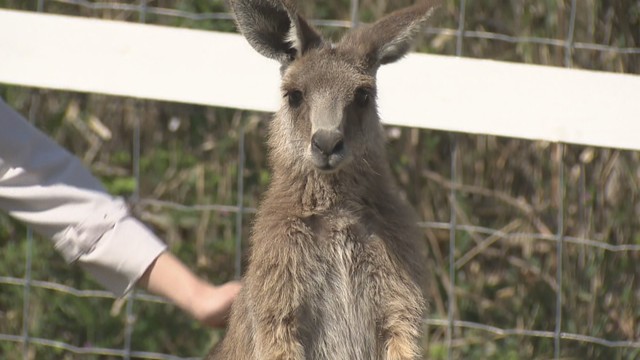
x,y
194,297
169,278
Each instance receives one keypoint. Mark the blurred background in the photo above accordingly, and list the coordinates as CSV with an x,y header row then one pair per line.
x,y
195,175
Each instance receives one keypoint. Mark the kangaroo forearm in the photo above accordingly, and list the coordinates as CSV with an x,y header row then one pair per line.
x,y
403,322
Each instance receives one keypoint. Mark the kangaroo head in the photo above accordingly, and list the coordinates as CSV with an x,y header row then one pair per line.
x,y
328,116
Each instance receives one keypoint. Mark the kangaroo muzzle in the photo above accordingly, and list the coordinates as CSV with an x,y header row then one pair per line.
x,y
328,149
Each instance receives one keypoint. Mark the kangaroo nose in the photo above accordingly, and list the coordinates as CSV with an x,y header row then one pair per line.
x,y
327,142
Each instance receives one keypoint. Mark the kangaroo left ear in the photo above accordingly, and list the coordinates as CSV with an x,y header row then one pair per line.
x,y
390,38
274,28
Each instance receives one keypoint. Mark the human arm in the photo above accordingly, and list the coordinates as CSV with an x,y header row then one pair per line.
x,y
46,187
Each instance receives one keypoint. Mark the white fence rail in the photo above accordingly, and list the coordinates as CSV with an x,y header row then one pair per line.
x,y
219,69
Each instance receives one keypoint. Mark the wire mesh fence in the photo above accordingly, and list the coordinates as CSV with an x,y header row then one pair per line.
x,y
453,330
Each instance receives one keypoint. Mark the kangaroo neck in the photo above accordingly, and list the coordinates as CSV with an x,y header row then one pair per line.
x,y
315,192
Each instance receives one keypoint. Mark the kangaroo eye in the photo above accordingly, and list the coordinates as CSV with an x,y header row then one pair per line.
x,y
362,97
295,98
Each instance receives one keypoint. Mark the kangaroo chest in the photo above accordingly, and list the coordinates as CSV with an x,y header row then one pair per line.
x,y
340,318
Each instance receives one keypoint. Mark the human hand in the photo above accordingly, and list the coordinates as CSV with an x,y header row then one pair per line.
x,y
167,276
211,304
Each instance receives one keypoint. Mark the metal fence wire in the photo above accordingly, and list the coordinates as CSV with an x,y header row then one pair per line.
x,y
147,11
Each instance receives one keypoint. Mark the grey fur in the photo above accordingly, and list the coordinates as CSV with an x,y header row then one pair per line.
x,y
337,263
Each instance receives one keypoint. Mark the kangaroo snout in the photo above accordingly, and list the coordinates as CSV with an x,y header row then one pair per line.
x,y
327,143
327,149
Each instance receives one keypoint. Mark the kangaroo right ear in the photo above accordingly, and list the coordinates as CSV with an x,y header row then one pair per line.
x,y
391,37
274,28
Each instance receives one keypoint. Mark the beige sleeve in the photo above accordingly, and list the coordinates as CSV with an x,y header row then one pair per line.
x,y
48,188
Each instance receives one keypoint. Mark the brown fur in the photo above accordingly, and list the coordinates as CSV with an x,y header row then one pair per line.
x,y
337,261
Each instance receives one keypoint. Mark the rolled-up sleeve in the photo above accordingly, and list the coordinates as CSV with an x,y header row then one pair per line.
x,y
46,187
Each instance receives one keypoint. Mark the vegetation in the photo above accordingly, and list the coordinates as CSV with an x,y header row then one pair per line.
x,y
189,155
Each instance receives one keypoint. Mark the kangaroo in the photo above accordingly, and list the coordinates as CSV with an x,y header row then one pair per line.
x,y
337,263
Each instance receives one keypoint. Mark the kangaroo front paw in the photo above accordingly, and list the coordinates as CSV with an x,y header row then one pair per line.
x,y
401,349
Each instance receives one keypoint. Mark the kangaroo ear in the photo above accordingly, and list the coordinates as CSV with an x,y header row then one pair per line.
x,y
274,28
390,38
